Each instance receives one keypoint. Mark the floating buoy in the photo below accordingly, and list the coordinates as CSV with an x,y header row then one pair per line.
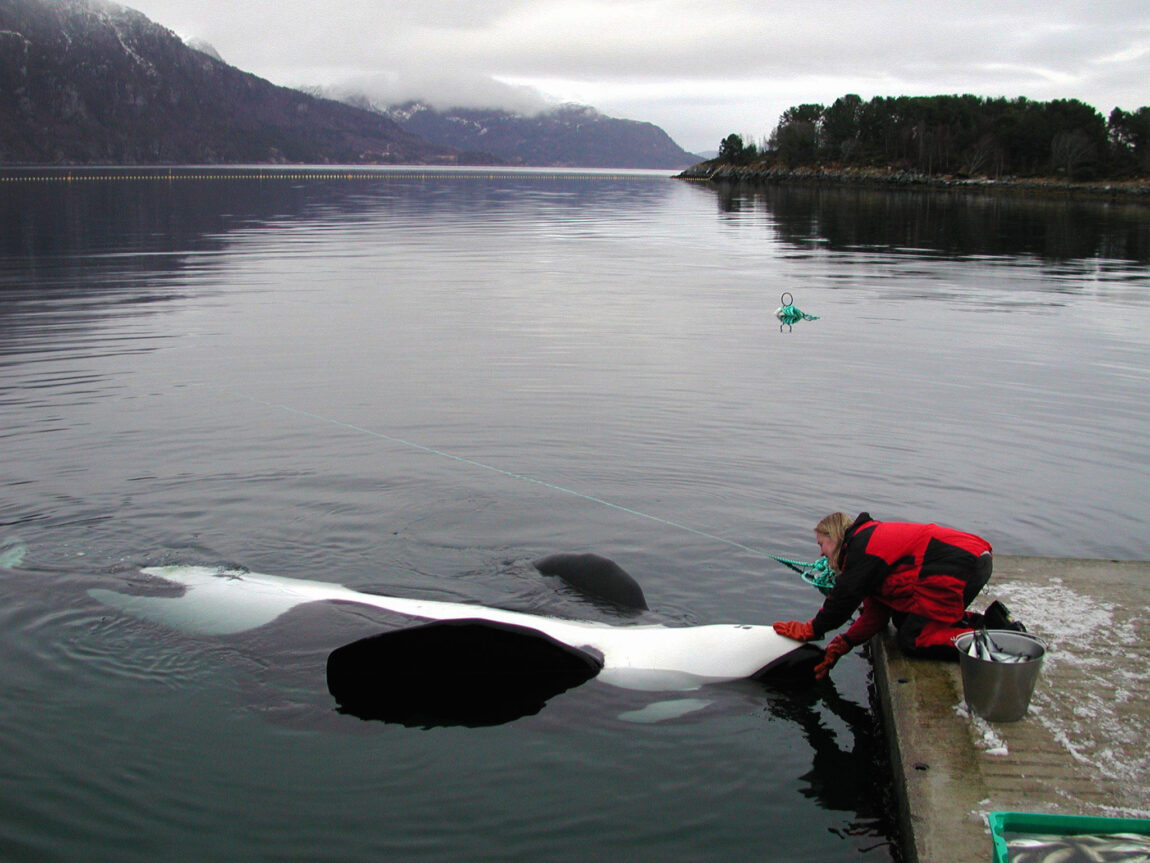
x,y
789,314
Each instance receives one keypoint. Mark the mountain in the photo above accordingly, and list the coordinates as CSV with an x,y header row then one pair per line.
x,y
88,81
566,136
93,82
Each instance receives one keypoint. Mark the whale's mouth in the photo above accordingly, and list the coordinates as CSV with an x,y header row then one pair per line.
x,y
794,668
455,672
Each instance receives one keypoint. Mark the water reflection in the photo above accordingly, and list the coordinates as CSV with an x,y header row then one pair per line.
x,y
79,248
74,255
90,233
844,776
966,224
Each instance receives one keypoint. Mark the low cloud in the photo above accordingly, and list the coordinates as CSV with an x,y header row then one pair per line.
x,y
444,91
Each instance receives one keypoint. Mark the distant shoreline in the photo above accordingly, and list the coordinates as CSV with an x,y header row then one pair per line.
x,y
1127,191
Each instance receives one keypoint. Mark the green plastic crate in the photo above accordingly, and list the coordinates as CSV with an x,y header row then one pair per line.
x,y
1002,823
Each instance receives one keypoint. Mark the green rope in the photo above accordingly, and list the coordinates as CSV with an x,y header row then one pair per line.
x,y
817,574
789,313
793,314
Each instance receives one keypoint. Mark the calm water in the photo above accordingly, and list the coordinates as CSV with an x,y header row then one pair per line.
x,y
417,383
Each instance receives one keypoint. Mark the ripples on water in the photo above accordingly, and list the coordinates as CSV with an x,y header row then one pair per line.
x,y
417,383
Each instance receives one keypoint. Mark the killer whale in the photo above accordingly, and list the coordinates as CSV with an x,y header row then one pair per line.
x,y
470,664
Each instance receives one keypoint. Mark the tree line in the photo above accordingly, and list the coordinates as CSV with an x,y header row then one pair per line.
x,y
966,136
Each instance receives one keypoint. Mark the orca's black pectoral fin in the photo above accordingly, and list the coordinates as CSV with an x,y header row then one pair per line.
x,y
454,672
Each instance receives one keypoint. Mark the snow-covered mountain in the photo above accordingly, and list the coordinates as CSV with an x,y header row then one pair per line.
x,y
88,81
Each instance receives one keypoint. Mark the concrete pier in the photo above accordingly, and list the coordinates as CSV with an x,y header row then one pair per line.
x,y
1082,749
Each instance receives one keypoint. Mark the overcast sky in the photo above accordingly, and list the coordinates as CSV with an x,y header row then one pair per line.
x,y
700,69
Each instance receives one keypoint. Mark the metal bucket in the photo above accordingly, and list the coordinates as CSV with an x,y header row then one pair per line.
x,y
1000,691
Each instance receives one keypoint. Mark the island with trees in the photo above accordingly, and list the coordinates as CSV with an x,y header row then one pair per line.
x,y
946,141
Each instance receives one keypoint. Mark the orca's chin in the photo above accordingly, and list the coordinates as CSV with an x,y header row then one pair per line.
x,y
796,668
454,672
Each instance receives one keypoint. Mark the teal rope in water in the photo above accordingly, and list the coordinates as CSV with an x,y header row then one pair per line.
x,y
793,314
789,313
817,573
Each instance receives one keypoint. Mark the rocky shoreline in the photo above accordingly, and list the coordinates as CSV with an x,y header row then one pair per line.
x,y
1135,191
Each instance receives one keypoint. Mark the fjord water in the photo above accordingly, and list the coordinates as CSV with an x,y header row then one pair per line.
x,y
416,382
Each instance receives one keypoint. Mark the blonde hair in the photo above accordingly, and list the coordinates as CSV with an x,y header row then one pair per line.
x,y
835,526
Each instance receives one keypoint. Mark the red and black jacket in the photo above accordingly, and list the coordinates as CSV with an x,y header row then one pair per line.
x,y
898,566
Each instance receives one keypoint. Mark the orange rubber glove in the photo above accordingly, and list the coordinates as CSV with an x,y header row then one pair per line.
x,y
795,629
838,648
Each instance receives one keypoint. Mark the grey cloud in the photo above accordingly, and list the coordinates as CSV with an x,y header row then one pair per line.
x,y
658,54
